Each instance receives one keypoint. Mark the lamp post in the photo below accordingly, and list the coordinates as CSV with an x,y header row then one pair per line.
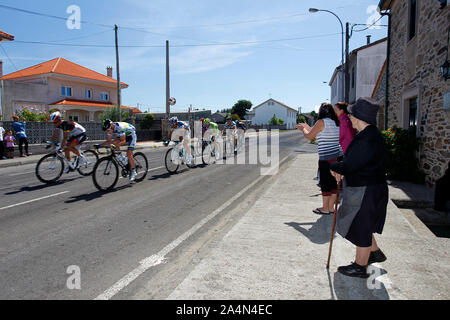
x,y
314,10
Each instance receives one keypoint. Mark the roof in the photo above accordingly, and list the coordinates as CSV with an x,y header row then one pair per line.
x,y
384,4
64,67
5,36
84,103
286,106
380,77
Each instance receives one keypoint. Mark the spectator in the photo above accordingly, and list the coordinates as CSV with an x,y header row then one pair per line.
x,y
20,129
346,131
9,140
2,146
326,130
365,195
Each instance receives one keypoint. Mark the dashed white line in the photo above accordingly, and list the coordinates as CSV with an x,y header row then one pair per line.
x,y
33,200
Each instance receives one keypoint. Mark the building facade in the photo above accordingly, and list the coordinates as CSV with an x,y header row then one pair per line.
x,y
266,110
80,93
419,33
365,64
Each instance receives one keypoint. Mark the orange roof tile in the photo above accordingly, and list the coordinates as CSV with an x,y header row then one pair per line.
x,y
84,103
61,66
6,36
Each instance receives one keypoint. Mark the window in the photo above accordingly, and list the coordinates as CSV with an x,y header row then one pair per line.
x,y
412,19
104,96
412,106
66,91
88,93
73,118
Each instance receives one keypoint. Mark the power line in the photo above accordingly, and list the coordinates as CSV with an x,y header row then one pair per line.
x,y
180,45
366,25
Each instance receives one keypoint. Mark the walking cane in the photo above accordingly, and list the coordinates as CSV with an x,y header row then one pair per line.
x,y
334,223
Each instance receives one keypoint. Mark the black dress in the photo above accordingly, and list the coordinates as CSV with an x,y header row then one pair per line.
x,y
364,173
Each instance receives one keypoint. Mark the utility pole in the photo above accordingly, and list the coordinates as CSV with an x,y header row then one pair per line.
x,y
167,81
346,75
118,75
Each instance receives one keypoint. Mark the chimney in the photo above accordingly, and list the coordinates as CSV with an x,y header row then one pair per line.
x,y
368,39
109,71
1,68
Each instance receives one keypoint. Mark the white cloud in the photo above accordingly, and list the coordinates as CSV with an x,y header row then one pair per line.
x,y
202,59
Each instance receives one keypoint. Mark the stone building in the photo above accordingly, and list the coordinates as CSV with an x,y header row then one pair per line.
x,y
417,91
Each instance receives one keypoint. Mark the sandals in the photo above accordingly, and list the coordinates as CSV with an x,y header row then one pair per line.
x,y
318,211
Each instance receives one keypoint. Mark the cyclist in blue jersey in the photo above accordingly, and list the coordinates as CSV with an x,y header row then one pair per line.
x,y
119,134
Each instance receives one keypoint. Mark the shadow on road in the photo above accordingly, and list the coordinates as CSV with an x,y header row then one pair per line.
x,y
40,186
319,232
95,195
166,175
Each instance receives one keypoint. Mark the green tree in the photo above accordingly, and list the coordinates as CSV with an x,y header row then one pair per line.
x,y
280,122
241,107
147,121
235,117
274,120
112,114
301,119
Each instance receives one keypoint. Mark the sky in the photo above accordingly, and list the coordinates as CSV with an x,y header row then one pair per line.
x,y
220,51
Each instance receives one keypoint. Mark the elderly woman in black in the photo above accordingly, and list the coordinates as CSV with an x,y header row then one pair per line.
x,y
365,194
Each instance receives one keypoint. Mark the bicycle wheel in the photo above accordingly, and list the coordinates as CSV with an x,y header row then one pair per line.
x,y
49,168
141,166
208,156
172,160
105,174
87,167
192,164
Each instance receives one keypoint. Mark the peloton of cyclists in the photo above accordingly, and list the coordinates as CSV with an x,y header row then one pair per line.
x,y
74,135
119,134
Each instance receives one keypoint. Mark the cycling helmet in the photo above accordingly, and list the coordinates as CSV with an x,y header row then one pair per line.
x,y
206,121
106,124
173,120
55,115
202,120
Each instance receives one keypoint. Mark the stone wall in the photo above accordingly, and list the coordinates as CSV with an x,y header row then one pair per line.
x,y
415,72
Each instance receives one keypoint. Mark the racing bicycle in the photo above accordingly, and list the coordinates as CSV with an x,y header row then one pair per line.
x,y
177,156
107,169
51,166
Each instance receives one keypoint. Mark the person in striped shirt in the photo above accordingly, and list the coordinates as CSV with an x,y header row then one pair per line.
x,y
326,130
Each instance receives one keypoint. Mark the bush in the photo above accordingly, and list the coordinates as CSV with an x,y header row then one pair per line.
x,y
29,115
112,114
401,146
235,117
280,121
274,120
147,121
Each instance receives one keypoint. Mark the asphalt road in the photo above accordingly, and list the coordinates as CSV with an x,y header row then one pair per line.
x,y
50,232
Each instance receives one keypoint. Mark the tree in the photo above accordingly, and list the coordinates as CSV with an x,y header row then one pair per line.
x,y
111,113
280,122
235,117
241,107
274,120
147,121
301,118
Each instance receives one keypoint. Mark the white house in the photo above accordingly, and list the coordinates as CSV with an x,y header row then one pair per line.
x,y
266,110
365,64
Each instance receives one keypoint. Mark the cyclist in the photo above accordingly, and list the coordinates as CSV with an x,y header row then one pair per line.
x,y
74,135
119,134
230,125
175,124
212,132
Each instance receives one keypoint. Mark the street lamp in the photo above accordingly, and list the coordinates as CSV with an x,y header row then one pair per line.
x,y
314,10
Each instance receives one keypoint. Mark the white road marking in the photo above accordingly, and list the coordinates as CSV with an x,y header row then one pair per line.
x,y
158,258
25,202
21,173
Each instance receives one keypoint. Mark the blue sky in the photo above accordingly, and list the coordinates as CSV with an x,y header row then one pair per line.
x,y
274,48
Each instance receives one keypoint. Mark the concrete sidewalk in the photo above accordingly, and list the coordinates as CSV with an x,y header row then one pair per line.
x,y
279,249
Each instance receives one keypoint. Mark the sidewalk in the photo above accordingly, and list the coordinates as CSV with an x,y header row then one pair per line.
x,y
279,249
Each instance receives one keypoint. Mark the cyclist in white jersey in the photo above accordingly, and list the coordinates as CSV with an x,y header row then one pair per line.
x,y
74,135
185,137
119,134
230,127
